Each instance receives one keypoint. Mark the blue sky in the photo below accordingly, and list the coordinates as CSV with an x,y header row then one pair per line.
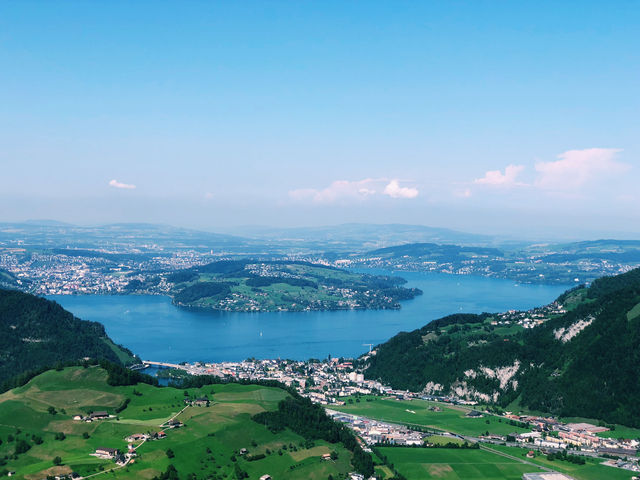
x,y
513,117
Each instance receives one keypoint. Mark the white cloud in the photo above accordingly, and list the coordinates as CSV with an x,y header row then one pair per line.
x,y
117,184
394,190
498,179
577,167
341,190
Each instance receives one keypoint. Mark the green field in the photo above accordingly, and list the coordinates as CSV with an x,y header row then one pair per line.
x,y
206,446
592,470
634,312
451,418
460,464
621,432
454,464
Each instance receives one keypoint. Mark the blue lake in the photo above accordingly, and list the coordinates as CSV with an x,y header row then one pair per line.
x,y
156,330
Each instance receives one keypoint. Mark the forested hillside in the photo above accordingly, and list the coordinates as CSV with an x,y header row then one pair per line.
x,y
583,362
35,332
267,286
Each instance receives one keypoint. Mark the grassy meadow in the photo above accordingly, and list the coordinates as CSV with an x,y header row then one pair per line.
x,y
207,446
454,464
592,470
416,412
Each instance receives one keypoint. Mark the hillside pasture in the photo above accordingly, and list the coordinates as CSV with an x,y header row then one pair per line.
x,y
208,444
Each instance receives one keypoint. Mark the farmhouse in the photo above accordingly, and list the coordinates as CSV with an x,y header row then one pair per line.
x,y
136,437
99,415
107,452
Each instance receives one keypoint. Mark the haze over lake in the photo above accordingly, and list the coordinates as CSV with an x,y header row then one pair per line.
x,y
156,330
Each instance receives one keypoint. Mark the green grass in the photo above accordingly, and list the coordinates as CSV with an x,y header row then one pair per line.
x,y
592,470
634,312
443,440
454,464
452,419
124,357
205,446
621,432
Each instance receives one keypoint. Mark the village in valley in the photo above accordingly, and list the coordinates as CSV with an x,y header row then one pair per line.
x,y
339,386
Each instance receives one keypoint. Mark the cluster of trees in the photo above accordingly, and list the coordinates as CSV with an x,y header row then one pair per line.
x,y
202,290
257,281
119,375
311,422
123,405
37,334
182,276
169,474
577,459
574,378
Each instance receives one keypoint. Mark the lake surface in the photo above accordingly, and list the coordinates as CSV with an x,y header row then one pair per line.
x,y
156,330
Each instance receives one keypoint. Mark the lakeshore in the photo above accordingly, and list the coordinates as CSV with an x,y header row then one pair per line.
x,y
153,328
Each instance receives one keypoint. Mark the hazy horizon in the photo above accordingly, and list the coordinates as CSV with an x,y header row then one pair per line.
x,y
249,230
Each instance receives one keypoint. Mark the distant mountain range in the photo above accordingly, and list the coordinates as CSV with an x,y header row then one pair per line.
x,y
362,236
344,238
581,361
43,234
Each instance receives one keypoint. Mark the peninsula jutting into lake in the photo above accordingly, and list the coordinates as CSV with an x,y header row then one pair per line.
x,y
284,286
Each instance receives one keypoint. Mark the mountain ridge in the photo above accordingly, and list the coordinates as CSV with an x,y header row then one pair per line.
x,y
37,333
562,366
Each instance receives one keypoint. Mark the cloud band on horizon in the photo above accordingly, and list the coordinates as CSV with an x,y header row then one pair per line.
x,y
116,184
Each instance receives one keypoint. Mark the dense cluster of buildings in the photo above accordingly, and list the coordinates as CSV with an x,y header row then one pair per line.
x,y
374,432
530,318
92,271
519,266
325,382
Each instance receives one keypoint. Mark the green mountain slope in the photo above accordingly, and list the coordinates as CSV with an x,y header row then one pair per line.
x,y
236,435
9,280
35,332
582,361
